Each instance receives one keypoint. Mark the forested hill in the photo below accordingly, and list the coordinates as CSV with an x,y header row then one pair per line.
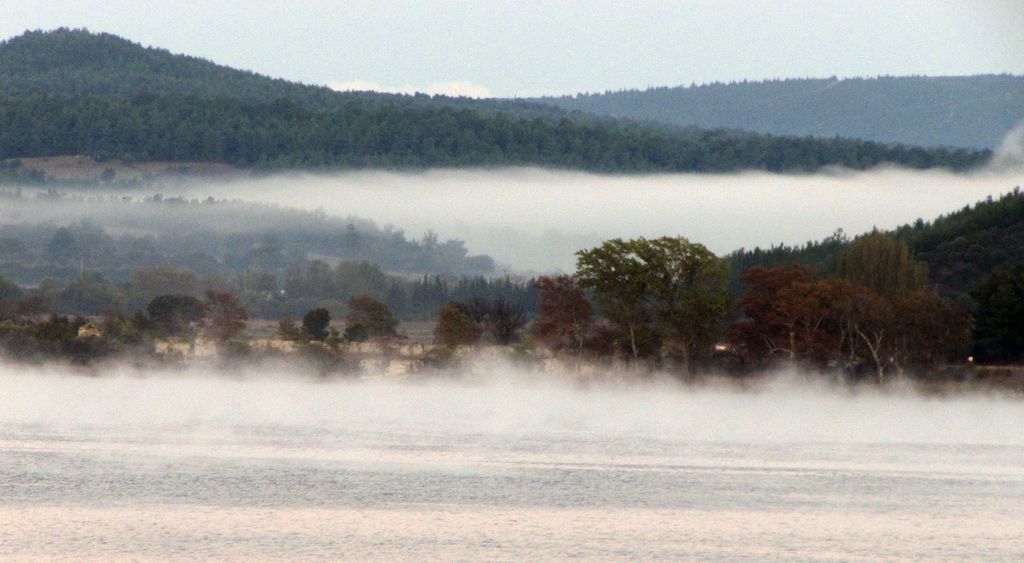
x,y
961,249
67,62
72,62
75,92
960,111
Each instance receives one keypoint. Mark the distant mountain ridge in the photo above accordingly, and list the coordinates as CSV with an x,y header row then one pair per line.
x,y
73,92
956,111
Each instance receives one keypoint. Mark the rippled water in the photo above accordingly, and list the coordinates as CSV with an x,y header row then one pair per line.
x,y
502,466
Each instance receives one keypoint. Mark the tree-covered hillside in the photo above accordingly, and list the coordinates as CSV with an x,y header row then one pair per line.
x,y
72,62
961,249
974,257
958,111
74,92
282,134
116,235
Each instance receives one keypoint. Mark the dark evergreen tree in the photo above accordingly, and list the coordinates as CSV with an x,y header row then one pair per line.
x,y
316,323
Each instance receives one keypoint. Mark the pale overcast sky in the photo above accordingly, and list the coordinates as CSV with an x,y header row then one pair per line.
x,y
531,48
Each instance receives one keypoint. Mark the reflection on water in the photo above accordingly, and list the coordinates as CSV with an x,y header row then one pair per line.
x,y
500,468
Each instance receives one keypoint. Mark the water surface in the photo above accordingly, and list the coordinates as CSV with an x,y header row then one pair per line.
x,y
500,465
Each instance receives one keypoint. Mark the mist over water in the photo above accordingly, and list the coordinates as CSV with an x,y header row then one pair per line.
x,y
496,398
498,463
495,462
534,220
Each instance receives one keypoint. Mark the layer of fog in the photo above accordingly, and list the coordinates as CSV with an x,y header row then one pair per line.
x,y
1010,153
494,399
135,213
141,230
534,220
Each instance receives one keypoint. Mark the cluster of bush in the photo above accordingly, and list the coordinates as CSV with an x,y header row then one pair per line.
x,y
28,333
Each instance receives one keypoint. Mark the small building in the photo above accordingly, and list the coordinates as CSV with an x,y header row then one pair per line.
x,y
90,330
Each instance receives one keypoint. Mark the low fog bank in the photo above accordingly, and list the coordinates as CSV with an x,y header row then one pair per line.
x,y
497,399
1010,154
534,220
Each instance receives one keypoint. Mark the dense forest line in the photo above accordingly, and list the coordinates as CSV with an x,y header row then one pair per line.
x,y
880,304
955,111
658,304
56,237
73,92
268,294
282,134
665,303
961,249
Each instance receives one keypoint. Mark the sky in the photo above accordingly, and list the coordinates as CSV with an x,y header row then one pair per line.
x,y
530,48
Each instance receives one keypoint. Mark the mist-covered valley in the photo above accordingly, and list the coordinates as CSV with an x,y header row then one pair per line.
x,y
117,232
263,299
526,220
284,245
535,220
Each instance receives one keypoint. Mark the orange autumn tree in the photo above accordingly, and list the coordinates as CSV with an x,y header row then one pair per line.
x,y
786,314
877,315
563,314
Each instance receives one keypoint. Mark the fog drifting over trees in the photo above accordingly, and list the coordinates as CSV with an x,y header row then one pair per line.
x,y
532,220
535,220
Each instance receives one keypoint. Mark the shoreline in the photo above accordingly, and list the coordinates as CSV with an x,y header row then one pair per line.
x,y
471,365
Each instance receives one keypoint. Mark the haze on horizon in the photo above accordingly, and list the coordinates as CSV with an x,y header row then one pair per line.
x,y
506,48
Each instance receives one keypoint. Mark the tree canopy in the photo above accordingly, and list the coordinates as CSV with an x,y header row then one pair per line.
x,y
316,323
1000,331
882,263
374,317
666,296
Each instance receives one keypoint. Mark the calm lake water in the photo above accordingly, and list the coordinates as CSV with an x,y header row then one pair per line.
x,y
500,465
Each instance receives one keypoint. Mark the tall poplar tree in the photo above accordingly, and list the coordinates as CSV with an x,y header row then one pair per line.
x,y
882,263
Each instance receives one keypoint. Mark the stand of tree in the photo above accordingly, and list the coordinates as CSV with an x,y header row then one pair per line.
x,y
268,296
660,303
874,303
961,249
973,258
665,302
